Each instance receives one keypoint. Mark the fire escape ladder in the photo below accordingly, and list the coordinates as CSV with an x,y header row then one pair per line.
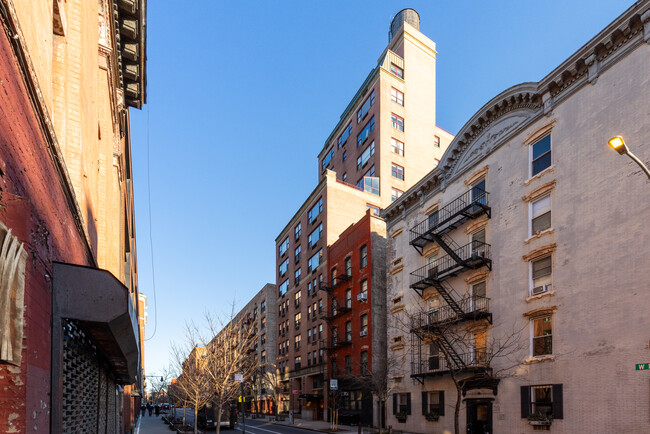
x,y
447,293
447,247
450,352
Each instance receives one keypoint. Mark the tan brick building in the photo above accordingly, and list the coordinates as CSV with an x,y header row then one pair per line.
x,y
385,141
517,266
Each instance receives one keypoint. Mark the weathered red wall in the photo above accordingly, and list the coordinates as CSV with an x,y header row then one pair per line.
x,y
34,207
350,241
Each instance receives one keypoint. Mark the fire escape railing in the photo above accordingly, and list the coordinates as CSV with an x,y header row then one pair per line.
x,y
471,308
469,205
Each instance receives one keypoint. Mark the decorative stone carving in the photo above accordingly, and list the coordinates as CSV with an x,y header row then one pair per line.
x,y
645,19
547,102
13,258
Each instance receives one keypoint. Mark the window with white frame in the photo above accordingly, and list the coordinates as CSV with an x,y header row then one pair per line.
x,y
542,401
540,215
541,275
541,335
364,323
479,301
433,404
478,246
540,155
396,146
434,357
396,96
402,403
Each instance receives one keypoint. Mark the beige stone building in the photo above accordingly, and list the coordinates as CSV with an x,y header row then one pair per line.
x,y
385,141
518,265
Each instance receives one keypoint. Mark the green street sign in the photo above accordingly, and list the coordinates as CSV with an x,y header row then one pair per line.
x,y
643,366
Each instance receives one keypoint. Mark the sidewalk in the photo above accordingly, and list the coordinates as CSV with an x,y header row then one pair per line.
x,y
151,425
318,425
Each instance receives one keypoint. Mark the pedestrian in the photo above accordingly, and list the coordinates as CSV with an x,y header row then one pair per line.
x,y
143,408
157,407
149,408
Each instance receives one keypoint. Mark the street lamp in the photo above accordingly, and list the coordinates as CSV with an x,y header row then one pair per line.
x,y
618,144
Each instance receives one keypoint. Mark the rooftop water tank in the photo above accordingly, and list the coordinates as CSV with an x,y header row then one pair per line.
x,y
404,16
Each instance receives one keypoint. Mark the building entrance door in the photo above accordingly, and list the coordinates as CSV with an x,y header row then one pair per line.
x,y
479,416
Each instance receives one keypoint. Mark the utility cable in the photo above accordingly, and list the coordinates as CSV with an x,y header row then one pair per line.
x,y
153,271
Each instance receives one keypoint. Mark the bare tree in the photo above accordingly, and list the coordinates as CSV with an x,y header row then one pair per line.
x,y
160,383
229,353
190,358
269,380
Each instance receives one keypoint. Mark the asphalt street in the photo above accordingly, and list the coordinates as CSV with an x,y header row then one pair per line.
x,y
265,427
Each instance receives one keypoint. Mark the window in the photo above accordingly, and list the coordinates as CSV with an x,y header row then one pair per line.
x,y
540,155
364,256
363,361
298,231
348,266
315,235
296,343
363,111
345,134
542,333
541,275
296,320
363,135
433,403
544,400
263,326
364,287
320,330
396,96
477,192
308,356
297,361
348,298
284,247
315,260
348,365
402,403
284,266
284,286
397,121
333,276
348,331
297,254
397,171
396,146
478,246
369,184
263,306
479,349
345,177
297,297
365,157
374,210
345,155
478,301
320,306
436,141
327,159
434,357
540,214
314,211
396,70
364,323
297,276
263,339
395,194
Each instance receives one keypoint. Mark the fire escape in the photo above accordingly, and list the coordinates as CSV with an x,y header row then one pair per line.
x,y
435,327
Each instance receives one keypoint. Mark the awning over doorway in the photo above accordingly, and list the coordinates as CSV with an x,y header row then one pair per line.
x,y
102,306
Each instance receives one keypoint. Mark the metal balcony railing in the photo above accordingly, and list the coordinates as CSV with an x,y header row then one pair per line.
x,y
469,205
338,280
469,256
438,365
473,308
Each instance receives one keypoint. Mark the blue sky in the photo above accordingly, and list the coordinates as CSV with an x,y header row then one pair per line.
x,y
241,97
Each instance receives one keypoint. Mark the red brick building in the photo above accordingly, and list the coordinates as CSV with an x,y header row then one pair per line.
x,y
356,317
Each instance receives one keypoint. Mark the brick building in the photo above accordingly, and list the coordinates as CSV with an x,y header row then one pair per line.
x,y
356,292
70,344
385,141
517,266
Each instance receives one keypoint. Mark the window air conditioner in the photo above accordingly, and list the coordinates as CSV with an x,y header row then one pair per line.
x,y
541,289
364,333
363,296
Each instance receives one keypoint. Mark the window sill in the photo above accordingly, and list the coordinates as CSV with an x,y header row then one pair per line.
x,y
539,235
539,359
539,175
397,308
538,296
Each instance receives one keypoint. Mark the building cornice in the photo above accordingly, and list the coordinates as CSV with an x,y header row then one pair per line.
x,y
514,109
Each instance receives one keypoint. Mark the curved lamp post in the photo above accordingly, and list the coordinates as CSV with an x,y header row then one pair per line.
x,y
618,144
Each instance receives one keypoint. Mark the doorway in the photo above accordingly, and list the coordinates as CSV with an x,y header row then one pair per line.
x,y
479,416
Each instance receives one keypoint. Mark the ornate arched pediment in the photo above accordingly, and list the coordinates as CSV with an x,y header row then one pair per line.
x,y
493,124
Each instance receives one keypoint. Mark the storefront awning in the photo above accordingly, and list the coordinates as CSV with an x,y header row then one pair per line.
x,y
102,306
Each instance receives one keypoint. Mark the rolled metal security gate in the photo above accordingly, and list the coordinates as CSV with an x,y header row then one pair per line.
x,y
90,403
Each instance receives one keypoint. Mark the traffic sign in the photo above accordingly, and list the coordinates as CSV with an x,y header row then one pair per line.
x,y
295,392
643,366
239,378
334,384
